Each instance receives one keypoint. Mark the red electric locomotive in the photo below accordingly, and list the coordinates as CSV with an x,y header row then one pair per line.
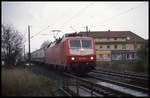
x,y
72,53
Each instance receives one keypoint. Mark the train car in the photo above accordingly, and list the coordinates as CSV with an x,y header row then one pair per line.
x,y
38,56
72,53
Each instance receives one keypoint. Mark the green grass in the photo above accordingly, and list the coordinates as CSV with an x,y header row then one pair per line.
x,y
121,65
22,82
125,65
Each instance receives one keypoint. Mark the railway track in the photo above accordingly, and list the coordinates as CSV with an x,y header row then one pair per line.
x,y
74,85
137,88
133,79
125,73
89,86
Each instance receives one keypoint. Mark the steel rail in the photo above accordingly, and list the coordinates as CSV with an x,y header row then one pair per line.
x,y
141,89
65,92
122,75
101,86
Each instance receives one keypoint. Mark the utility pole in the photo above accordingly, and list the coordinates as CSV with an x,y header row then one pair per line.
x,y
135,47
87,30
29,46
24,52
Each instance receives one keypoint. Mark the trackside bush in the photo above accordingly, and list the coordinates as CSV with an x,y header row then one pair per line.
x,y
22,82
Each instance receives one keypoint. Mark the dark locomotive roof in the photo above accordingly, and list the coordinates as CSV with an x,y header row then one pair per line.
x,y
58,40
73,35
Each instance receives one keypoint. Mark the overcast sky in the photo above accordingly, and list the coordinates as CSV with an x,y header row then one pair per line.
x,y
74,16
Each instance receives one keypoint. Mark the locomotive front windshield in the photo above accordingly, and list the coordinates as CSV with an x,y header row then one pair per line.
x,y
75,44
80,43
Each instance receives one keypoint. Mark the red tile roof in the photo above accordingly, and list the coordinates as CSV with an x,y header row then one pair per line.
x,y
105,34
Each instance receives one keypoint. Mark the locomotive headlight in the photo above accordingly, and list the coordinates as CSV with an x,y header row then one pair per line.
x,y
92,58
72,58
82,49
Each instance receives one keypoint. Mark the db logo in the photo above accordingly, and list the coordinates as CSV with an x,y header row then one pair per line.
x,y
82,52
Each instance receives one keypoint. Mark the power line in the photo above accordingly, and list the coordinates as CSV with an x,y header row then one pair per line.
x,y
39,32
124,12
119,14
25,34
29,46
78,13
112,5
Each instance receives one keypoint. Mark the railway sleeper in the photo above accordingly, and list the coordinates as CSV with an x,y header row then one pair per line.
x,y
94,91
65,92
82,91
137,88
102,91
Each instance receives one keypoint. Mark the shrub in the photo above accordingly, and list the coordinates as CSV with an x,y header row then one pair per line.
x,y
22,82
142,64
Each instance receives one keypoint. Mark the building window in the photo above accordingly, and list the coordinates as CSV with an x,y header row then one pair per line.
x,y
123,46
101,47
115,46
108,56
115,38
123,38
108,47
101,56
130,56
116,56
128,38
107,38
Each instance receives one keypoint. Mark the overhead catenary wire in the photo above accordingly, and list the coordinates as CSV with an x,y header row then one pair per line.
x,y
78,13
39,32
121,13
83,9
35,35
24,37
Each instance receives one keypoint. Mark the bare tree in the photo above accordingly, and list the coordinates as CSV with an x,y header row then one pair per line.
x,y
12,44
